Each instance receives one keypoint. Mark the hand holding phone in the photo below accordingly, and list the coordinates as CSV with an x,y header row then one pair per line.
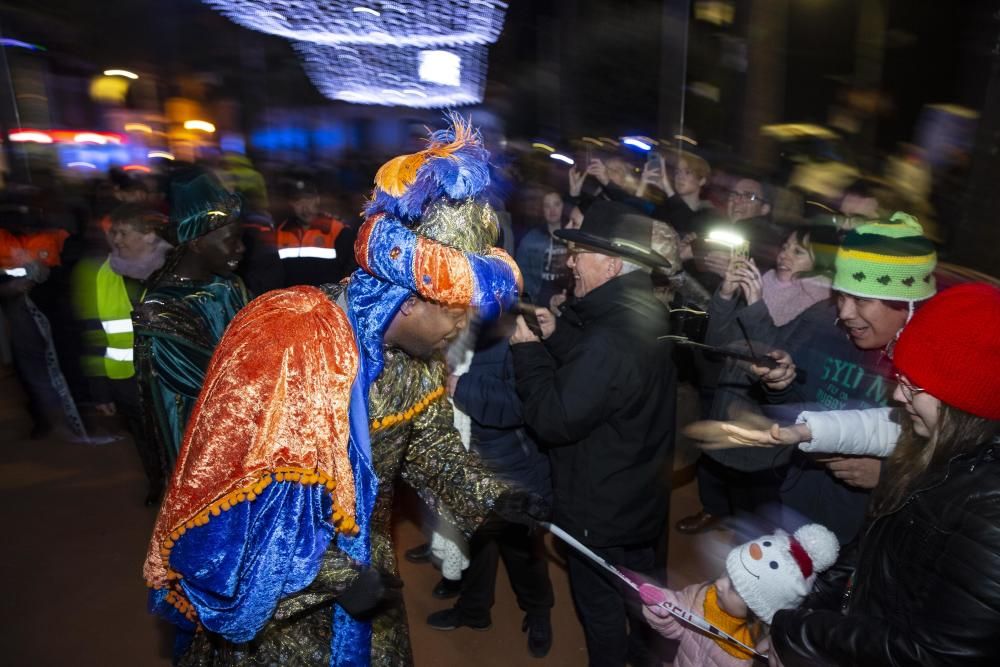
x,y
527,311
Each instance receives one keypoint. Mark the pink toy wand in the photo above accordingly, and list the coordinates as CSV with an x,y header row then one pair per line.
x,y
650,595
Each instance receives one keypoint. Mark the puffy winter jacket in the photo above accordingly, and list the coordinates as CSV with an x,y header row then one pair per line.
x,y
924,583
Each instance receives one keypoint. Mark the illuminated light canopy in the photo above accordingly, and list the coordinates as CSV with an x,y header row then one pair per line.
x,y
138,127
396,76
443,67
121,72
398,23
417,53
562,158
81,165
199,125
159,154
137,167
543,147
31,136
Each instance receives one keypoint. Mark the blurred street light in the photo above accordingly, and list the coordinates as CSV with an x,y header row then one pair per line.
x,y
121,72
637,143
200,125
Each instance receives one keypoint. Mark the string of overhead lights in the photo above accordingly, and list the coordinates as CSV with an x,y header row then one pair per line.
x,y
398,22
397,76
429,53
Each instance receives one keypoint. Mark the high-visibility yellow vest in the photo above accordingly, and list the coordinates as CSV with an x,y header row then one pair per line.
x,y
114,309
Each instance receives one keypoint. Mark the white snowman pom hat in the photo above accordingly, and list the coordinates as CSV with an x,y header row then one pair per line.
x,y
777,571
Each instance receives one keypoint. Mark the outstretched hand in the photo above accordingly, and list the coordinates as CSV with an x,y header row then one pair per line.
x,y
774,436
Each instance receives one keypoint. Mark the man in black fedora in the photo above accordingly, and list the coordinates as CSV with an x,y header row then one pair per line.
x,y
599,391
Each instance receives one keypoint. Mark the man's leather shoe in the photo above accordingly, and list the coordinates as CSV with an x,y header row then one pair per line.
x,y
697,523
452,619
419,554
539,629
446,588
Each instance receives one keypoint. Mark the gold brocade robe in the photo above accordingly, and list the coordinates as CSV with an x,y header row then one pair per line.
x,y
426,452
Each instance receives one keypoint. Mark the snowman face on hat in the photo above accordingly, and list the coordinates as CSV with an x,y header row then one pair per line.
x,y
764,559
766,575
776,571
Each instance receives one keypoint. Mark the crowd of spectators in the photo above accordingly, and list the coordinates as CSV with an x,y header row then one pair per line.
x,y
635,279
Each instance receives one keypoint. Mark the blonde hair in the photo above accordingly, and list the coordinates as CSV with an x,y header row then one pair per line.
x,y
698,165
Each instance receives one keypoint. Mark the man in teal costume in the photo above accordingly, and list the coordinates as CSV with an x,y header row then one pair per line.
x,y
188,306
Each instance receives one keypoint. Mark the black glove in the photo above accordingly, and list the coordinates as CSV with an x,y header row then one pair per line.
x,y
523,507
370,589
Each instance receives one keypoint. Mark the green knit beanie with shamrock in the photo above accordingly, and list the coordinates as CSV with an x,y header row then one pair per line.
x,y
890,260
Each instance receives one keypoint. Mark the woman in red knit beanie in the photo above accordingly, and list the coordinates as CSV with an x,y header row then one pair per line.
x,y
922,586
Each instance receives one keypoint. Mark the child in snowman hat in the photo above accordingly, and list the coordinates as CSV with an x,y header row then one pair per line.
x,y
765,575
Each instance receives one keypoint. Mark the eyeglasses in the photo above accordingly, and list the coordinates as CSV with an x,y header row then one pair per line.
x,y
575,250
745,196
909,389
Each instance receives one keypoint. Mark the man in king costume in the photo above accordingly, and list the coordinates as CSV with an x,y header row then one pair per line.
x,y
273,544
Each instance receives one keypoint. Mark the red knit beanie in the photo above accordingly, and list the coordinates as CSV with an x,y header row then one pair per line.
x,y
951,348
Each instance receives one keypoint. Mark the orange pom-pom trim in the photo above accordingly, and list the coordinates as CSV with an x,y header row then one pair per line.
x,y
307,476
409,413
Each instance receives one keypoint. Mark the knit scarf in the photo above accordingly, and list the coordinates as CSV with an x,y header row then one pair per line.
x,y
786,301
732,625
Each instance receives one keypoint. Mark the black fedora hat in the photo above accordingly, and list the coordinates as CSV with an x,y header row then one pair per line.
x,y
612,228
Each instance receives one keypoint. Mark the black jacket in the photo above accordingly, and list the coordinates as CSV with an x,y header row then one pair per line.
x,y
601,394
926,582
486,393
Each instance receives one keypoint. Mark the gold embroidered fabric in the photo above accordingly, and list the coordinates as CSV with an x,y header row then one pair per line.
x,y
427,452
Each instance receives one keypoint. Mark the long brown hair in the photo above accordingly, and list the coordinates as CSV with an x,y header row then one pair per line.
x,y
916,457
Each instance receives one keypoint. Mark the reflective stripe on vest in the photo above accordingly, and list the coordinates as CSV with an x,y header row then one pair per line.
x,y
308,251
118,355
318,241
114,309
117,326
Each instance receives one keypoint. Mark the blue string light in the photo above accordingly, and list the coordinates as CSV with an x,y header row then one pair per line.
x,y
395,53
400,23
397,76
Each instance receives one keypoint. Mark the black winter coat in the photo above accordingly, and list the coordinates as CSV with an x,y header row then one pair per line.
x,y
600,394
486,393
925,589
